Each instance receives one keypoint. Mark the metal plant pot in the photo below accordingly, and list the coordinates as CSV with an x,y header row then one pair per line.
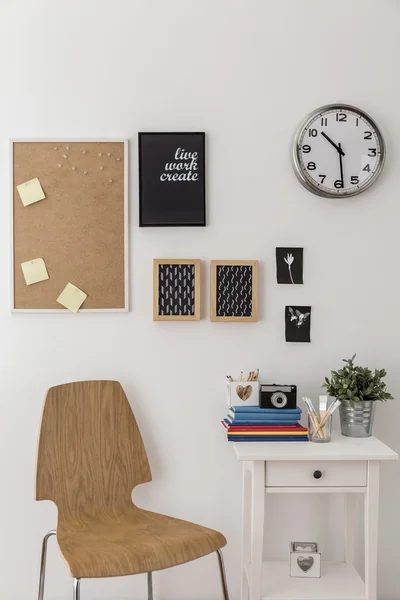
x,y
357,421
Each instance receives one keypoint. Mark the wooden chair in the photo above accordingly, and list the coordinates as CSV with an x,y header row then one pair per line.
x,y
90,457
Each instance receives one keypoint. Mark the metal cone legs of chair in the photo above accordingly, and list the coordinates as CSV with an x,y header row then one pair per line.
x,y
43,563
223,575
77,589
150,586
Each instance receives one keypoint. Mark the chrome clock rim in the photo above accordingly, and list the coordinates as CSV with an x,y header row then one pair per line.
x,y
295,151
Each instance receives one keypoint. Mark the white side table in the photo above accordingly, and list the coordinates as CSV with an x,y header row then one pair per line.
x,y
344,465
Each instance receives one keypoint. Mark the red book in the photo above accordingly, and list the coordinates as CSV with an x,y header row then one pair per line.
x,y
282,428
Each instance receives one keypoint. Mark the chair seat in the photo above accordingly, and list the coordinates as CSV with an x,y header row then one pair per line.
x,y
131,541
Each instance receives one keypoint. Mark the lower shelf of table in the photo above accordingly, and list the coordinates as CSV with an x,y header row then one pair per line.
x,y
339,581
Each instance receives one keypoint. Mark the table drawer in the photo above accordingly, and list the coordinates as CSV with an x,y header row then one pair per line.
x,y
316,474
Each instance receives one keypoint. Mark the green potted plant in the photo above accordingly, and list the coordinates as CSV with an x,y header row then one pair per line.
x,y
358,389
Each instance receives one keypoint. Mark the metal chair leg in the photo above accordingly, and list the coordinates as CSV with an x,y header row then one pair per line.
x,y
149,586
77,589
223,575
43,563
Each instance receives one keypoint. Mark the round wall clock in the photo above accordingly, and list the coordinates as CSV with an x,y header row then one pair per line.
x,y
338,151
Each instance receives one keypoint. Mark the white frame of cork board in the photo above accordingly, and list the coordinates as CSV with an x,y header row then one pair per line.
x,y
126,224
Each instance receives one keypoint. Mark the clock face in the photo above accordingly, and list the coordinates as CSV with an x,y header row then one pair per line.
x,y
338,151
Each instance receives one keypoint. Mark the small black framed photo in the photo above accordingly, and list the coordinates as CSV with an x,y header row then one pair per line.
x,y
297,323
289,265
172,179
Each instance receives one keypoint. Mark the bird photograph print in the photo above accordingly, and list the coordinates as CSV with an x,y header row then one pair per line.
x,y
289,265
297,323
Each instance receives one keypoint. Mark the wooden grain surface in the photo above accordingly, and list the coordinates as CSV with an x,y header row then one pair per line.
x,y
90,457
78,229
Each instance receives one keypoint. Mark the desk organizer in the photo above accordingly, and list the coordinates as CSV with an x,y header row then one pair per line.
x,y
243,393
305,559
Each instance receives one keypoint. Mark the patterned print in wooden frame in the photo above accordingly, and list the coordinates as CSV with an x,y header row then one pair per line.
x,y
176,289
234,290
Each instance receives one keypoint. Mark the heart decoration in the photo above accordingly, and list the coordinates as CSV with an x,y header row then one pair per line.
x,y
304,563
244,393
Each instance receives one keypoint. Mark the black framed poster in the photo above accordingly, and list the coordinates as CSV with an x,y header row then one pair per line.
x,y
172,179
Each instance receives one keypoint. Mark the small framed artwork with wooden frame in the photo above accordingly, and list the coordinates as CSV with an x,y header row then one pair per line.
x,y
176,289
234,290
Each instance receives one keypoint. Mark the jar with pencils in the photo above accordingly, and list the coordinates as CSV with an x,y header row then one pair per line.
x,y
318,432
320,421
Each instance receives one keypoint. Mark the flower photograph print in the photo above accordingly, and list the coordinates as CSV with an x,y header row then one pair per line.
x,y
289,265
297,323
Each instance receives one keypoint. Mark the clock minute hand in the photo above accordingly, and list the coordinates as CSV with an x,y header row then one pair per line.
x,y
341,166
333,144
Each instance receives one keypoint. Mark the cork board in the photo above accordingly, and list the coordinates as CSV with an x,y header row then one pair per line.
x,y
80,229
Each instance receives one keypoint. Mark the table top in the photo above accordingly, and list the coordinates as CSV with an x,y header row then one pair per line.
x,y
340,448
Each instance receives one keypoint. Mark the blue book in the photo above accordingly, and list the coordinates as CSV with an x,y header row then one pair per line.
x,y
275,422
266,411
255,417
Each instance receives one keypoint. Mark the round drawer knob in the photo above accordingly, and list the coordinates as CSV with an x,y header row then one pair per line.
x,y
317,474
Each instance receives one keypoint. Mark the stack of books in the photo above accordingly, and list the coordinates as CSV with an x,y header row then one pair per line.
x,y
254,424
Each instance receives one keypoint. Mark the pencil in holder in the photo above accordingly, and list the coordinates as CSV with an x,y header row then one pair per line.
x,y
243,393
319,427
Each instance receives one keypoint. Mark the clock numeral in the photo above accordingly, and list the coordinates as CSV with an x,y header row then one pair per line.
x,y
306,148
311,166
312,133
356,122
324,121
354,180
367,168
341,117
323,177
372,152
367,135
338,183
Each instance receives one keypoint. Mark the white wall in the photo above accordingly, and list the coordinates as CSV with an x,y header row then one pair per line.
x,y
246,72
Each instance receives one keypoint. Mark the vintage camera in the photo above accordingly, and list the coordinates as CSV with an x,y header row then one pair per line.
x,y
278,396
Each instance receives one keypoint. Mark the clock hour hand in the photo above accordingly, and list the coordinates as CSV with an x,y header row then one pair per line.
x,y
333,143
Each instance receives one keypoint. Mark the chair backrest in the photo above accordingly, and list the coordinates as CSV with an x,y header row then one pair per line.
x,y
91,454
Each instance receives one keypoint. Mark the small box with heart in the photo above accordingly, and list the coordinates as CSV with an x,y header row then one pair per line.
x,y
243,393
305,559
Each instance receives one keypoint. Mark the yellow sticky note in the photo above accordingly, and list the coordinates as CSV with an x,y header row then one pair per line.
x,y
31,191
72,297
34,271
